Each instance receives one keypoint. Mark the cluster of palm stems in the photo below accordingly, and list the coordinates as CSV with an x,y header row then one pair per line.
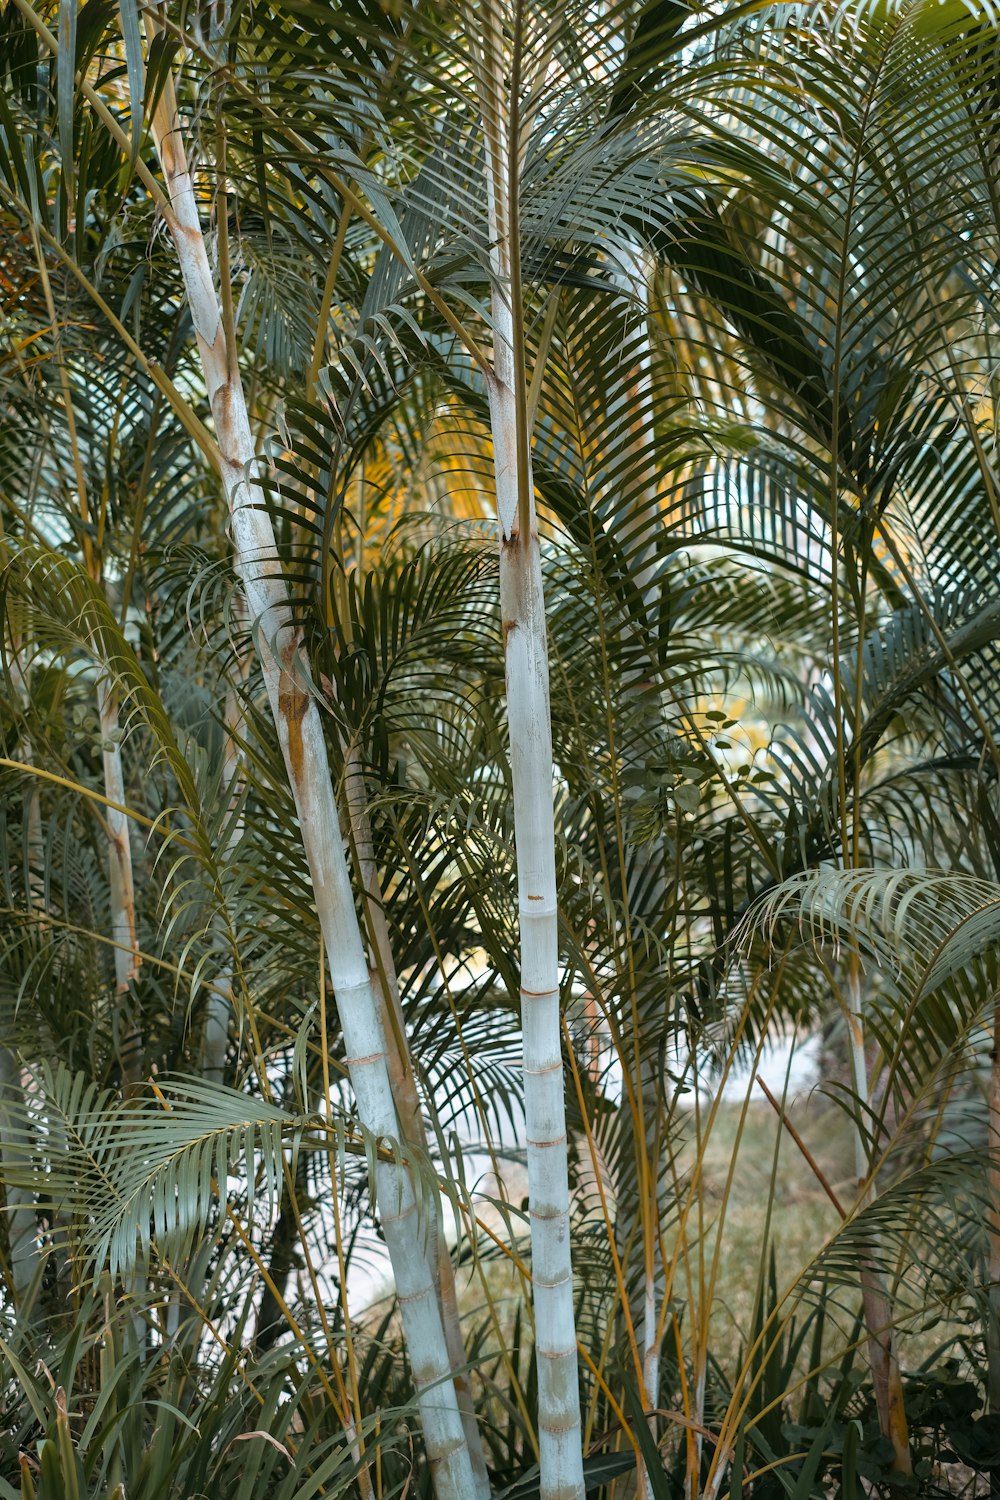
x,y
497,518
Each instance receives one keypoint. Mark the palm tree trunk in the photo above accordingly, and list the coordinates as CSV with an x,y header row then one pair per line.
x,y
123,929
523,621
270,1318
404,1087
300,734
34,844
219,1007
215,1039
875,1300
22,1220
522,610
993,1270
128,1033
127,1028
22,1217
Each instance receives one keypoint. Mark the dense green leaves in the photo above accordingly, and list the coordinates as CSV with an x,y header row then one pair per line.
x,y
760,349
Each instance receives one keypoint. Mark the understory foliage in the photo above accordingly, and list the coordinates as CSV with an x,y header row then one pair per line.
x,y
754,349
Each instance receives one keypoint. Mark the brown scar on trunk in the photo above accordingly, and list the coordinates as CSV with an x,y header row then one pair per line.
x,y
293,704
508,627
134,959
223,397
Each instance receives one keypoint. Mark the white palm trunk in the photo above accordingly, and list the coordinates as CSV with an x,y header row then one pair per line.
x,y
22,1220
128,1033
300,735
215,1041
123,930
219,1008
404,1087
22,1217
875,1300
522,609
993,1224
34,842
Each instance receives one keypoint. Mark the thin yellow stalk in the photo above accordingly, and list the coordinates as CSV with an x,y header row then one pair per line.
x,y
804,1151
877,1309
691,1454
609,1396
261,1266
605,1213
877,1304
351,1427
119,853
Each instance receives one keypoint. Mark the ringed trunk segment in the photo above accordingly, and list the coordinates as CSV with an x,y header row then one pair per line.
x,y
875,1300
404,1086
215,1038
993,1143
15,1148
33,836
22,1219
303,747
522,609
122,883
300,734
